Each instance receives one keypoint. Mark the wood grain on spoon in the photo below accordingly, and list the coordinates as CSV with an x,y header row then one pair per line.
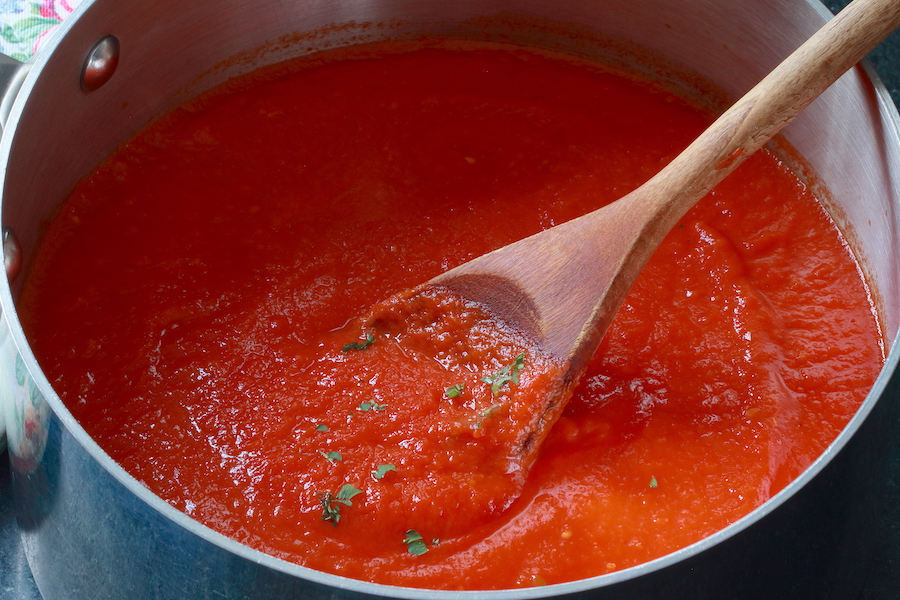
x,y
563,286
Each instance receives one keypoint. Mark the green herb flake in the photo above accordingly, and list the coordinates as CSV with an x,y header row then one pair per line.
x,y
372,405
322,427
454,390
415,545
331,503
347,492
490,410
485,414
653,482
382,470
509,373
370,339
332,457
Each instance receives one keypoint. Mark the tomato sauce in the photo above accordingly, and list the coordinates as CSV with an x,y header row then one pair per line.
x,y
196,301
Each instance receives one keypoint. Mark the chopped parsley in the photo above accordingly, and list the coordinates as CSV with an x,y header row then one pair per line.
x,y
370,339
332,457
454,390
415,545
331,503
372,405
322,427
490,410
485,414
382,470
653,482
509,373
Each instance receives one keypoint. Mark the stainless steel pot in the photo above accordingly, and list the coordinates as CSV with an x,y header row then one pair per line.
x,y
91,531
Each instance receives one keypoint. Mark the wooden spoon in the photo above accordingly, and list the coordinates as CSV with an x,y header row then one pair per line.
x,y
563,286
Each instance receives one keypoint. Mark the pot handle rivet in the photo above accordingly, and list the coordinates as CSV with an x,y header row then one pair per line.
x,y
100,64
12,254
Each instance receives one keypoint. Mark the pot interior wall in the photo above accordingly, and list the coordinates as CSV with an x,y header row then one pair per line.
x,y
173,49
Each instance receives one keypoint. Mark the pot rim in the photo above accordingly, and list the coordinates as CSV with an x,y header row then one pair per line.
x,y
7,305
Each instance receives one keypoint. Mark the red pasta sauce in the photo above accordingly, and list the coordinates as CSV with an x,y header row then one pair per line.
x,y
195,304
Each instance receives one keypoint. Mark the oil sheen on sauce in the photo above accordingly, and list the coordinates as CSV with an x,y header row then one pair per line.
x,y
194,302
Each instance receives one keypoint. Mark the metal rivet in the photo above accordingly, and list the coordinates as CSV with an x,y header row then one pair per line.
x,y
12,254
100,64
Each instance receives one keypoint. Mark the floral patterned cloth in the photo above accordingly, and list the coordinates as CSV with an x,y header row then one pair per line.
x,y
26,24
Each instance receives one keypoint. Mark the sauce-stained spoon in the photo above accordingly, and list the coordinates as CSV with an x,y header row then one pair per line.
x,y
561,288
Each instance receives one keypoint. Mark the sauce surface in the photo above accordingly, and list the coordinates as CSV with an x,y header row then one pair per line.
x,y
194,299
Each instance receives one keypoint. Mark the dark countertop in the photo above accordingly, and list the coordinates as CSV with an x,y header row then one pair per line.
x,y
16,582
880,576
885,58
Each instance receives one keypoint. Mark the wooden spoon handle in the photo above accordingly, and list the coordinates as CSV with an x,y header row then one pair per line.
x,y
639,221
774,102
564,285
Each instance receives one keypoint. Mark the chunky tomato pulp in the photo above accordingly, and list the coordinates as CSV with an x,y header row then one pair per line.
x,y
195,303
